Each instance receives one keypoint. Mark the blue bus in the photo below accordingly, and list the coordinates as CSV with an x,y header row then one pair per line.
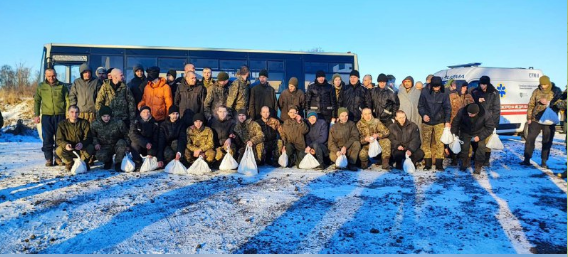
x,y
281,65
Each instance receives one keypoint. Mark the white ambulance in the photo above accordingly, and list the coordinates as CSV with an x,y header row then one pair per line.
x,y
514,85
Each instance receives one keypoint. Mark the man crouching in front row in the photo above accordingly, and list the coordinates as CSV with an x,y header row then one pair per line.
x,y
74,135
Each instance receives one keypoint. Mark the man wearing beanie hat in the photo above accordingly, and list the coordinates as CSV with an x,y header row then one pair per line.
x,y
239,91
271,130
137,84
190,98
248,133
371,129
384,102
355,97
473,123
316,138
344,139
172,81
261,95
110,136
435,109
459,98
291,96
488,97
83,93
217,96
144,134
157,94
199,141
171,143
101,74
546,94
321,98
292,133
338,86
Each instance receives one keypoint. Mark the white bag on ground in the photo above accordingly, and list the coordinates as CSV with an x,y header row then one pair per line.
x,y
175,167
79,165
341,162
127,164
374,148
408,166
149,164
308,162
446,136
455,146
549,117
494,142
283,160
199,167
247,166
228,162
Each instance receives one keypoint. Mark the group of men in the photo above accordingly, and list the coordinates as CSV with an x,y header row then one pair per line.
x,y
186,118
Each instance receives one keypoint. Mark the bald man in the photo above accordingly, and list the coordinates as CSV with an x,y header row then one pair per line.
x,y
115,94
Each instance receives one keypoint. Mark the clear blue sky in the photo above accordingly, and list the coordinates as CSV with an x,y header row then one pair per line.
x,y
397,37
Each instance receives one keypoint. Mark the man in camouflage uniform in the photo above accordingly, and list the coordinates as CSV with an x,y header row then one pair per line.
x,y
83,93
217,95
371,129
344,139
109,137
239,91
74,135
272,144
199,141
223,137
115,94
292,132
207,81
248,133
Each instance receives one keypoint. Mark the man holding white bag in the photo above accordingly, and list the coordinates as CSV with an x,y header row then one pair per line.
x,y
372,129
344,139
292,133
473,124
404,138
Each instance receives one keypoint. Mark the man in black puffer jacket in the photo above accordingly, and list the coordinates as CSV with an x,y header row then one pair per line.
x,y
355,97
488,97
171,144
473,122
144,134
190,98
384,101
137,84
321,98
405,140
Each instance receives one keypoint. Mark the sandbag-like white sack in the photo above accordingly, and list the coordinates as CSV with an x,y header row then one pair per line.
x,y
228,162
79,166
283,160
308,162
447,137
494,142
127,164
175,167
455,146
149,164
341,162
374,148
408,166
247,166
199,167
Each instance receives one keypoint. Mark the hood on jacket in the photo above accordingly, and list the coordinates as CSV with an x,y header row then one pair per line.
x,y
407,78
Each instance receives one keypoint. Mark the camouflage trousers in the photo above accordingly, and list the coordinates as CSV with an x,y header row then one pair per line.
x,y
209,156
272,150
89,116
105,153
386,150
221,151
352,153
431,144
258,152
68,156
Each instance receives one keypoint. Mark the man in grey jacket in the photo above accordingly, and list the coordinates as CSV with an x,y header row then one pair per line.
x,y
83,93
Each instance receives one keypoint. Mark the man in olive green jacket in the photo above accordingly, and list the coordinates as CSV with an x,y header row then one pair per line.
x,y
74,135
50,100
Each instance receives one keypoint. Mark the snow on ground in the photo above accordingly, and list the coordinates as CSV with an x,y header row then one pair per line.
x,y
506,209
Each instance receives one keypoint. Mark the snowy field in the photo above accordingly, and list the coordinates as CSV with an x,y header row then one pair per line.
x,y
506,209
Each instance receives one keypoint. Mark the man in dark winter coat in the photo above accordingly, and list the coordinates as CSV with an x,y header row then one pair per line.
x,y
488,97
473,123
292,133
272,143
384,101
355,97
316,138
405,140
137,84
321,98
171,143
291,96
223,137
435,109
262,95
344,139
144,134
74,135
217,95
83,93
171,80
190,98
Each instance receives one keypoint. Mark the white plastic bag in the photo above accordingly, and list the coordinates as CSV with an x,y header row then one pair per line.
x,y
228,162
455,146
549,117
127,165
175,167
79,165
341,162
308,162
199,167
408,166
374,148
149,164
39,131
247,166
283,160
446,136
494,142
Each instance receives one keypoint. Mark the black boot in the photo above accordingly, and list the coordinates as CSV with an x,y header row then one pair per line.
x,y
428,164
364,165
440,164
487,159
477,169
454,160
352,167
117,167
543,164
526,162
107,165
464,164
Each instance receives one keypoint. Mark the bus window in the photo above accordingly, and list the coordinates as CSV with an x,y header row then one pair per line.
x,y
313,67
75,74
257,65
229,65
202,63
276,80
61,71
341,67
166,64
112,62
275,66
146,62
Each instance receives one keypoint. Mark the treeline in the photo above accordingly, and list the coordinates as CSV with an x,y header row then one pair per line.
x,y
17,82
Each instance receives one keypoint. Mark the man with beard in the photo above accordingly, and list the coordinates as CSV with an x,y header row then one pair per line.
x,y
262,95
355,97
291,96
409,96
384,101
321,98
